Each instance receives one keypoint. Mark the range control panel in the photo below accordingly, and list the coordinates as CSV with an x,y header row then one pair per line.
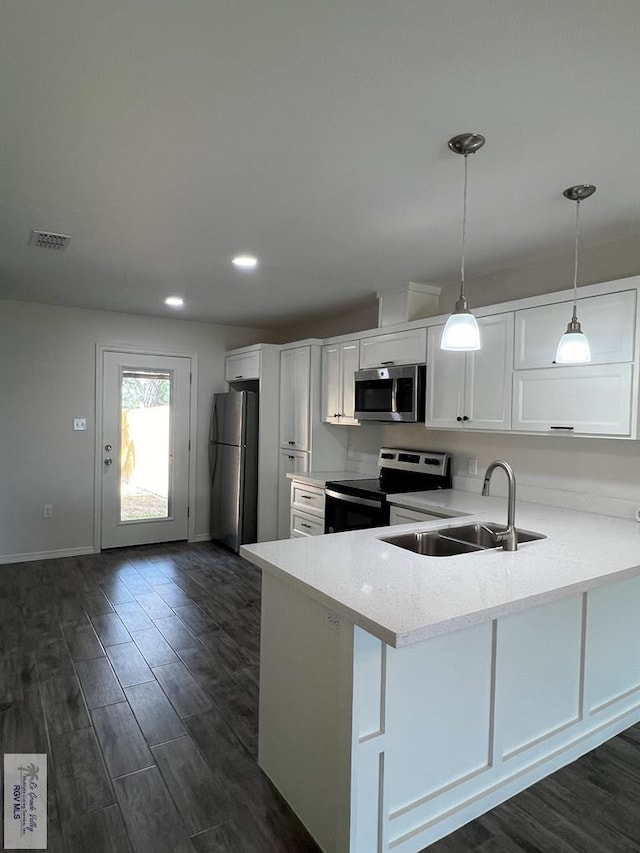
x,y
420,461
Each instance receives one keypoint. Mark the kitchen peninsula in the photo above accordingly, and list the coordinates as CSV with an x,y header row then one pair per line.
x,y
403,695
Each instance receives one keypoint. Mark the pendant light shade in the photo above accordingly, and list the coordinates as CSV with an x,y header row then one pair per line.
x,y
461,331
573,347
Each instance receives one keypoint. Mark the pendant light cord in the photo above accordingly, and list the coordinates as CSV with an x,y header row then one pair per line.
x,y
575,264
464,226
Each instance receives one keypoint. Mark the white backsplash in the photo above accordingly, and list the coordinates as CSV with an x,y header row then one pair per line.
x,y
592,475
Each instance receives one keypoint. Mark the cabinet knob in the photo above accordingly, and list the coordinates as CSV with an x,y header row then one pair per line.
x,y
465,418
238,377
458,418
292,442
291,457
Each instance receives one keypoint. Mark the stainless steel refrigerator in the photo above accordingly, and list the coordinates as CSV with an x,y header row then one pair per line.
x,y
233,463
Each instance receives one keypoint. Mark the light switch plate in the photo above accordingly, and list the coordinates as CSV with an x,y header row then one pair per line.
x,y
79,423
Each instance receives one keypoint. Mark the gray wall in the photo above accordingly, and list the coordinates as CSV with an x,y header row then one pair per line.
x,y
47,358
603,262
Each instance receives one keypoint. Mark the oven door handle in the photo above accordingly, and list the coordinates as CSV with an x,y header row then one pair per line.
x,y
352,499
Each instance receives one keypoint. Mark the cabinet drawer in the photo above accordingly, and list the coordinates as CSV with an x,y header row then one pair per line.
x,y
608,321
245,365
402,515
307,498
303,524
394,348
591,400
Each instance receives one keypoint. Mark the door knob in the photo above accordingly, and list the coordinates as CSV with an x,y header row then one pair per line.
x,y
108,461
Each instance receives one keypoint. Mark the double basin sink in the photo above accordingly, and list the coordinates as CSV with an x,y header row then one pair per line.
x,y
449,541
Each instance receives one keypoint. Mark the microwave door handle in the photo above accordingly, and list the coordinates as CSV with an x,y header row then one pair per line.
x,y
394,396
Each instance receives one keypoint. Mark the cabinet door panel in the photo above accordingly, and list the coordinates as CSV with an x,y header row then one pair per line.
x,y
350,363
331,382
394,348
287,399
445,383
594,399
242,366
608,322
488,376
302,398
295,388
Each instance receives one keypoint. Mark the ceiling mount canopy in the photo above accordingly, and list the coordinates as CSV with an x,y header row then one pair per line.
x,y
573,347
466,143
461,332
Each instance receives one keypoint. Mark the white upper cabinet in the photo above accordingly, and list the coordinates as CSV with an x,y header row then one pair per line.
x,y
471,390
395,348
339,363
242,365
295,399
608,321
587,400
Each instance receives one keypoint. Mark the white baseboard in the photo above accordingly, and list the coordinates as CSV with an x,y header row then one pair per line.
x,y
47,555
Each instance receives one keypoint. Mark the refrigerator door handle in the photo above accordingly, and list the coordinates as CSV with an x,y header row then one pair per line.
x,y
213,459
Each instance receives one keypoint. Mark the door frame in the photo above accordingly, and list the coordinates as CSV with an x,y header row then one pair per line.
x,y
101,348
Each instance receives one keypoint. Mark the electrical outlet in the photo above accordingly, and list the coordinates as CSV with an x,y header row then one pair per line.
x,y
472,466
333,622
47,510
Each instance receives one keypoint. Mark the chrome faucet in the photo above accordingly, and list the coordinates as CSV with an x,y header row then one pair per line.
x,y
508,536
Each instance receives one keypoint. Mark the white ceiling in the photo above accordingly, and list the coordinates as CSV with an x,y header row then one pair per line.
x,y
165,136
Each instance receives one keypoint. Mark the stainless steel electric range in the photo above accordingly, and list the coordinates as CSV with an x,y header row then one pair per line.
x,y
356,504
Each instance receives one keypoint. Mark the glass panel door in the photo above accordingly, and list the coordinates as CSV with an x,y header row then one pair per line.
x,y
145,421
146,407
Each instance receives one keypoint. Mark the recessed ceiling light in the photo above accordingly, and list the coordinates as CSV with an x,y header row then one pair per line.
x,y
245,262
174,301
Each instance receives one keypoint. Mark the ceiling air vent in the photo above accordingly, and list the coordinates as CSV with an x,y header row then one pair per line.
x,y
48,240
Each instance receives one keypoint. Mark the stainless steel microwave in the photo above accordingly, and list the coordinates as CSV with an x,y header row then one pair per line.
x,y
394,393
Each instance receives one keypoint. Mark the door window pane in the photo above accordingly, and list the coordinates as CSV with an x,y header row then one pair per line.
x,y
145,416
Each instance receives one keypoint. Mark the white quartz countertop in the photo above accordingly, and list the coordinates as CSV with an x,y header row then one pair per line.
x,y
402,597
321,478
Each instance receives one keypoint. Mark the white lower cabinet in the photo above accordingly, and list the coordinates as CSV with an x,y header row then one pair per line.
x,y
291,462
588,400
389,749
303,524
307,509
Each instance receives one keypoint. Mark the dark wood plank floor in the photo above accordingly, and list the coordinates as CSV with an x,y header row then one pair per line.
x,y
136,671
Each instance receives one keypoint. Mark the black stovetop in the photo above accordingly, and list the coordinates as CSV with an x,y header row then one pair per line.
x,y
390,482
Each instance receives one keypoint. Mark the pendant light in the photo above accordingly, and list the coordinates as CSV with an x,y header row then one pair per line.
x,y
573,347
461,332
